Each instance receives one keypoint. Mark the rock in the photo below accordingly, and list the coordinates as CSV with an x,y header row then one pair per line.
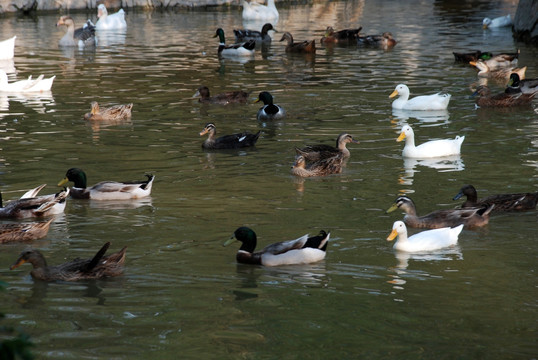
x,y
526,21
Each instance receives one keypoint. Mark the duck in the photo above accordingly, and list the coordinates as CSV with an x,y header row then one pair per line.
x,y
32,192
323,167
498,73
343,37
82,37
304,250
384,41
40,84
485,99
470,217
24,231
516,85
114,21
429,149
237,50
472,56
230,97
502,202
7,48
106,190
427,240
261,37
503,59
497,22
323,151
269,111
34,207
234,141
100,266
254,11
298,47
424,102
115,112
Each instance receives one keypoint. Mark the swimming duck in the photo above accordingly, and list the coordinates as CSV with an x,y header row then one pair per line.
x,y
516,85
25,86
259,37
425,102
269,111
114,21
427,240
470,217
7,48
300,47
32,192
82,37
106,190
502,202
345,37
99,266
303,250
234,141
502,60
485,99
472,56
385,40
243,49
254,11
116,112
35,206
497,22
322,151
429,149
323,167
498,73
24,231
221,99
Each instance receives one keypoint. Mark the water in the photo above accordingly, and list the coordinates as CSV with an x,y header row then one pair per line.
x,y
182,292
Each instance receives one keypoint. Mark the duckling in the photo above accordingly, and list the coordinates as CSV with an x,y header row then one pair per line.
x,y
82,37
470,218
498,73
502,202
106,190
424,102
429,149
323,167
24,231
516,85
99,266
260,37
343,37
269,111
237,50
427,240
116,112
234,141
384,41
485,99
303,250
322,151
221,99
497,22
35,206
299,47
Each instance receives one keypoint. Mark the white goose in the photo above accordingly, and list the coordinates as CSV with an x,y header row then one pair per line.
x,y
425,102
114,21
24,86
500,21
254,11
424,241
429,149
7,48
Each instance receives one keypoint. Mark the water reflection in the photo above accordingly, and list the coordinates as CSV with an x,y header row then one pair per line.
x,y
453,253
39,102
108,38
442,164
432,117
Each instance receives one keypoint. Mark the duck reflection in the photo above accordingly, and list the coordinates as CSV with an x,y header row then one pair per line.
x,y
36,101
108,38
121,204
434,117
448,254
442,164
103,125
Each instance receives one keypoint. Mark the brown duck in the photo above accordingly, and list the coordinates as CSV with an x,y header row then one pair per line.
x,y
230,97
323,167
233,141
322,151
116,112
298,47
502,202
342,37
485,99
24,231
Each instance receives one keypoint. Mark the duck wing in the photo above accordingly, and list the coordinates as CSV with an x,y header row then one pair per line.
x,y
285,246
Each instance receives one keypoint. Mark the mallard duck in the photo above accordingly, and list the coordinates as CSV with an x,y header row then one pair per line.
x,y
300,47
82,37
106,190
260,37
345,37
25,86
221,99
424,102
385,40
243,49
114,21
427,240
497,22
322,151
269,111
234,141
323,167
32,192
516,85
501,60
116,112
7,48
99,266
485,56
498,73
35,206
502,202
24,231
254,11
429,149
485,99
303,250
470,218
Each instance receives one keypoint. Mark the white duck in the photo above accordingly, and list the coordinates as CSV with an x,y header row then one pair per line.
x,y
429,149
24,86
7,48
114,21
425,102
501,21
254,11
424,241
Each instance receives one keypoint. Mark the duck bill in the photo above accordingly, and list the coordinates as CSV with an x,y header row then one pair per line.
x,y
484,26
394,93
459,195
63,182
472,63
229,241
392,208
392,235
401,137
196,94
17,263
203,132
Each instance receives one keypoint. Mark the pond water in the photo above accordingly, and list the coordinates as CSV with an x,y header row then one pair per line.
x,y
182,294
